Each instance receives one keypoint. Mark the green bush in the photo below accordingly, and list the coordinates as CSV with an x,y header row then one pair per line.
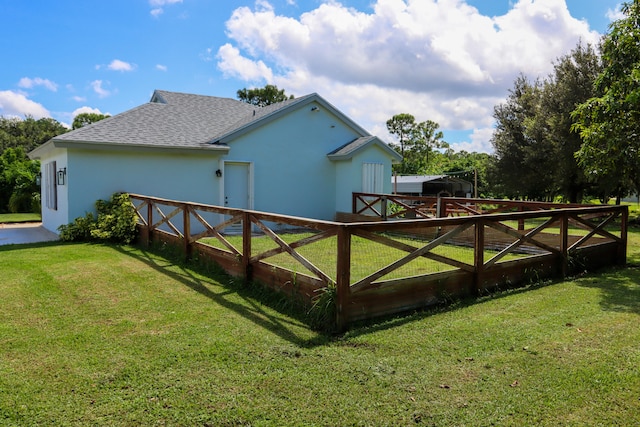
x,y
20,202
115,222
36,205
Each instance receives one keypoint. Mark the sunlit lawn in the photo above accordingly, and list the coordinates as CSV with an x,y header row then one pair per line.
x,y
19,217
102,335
366,256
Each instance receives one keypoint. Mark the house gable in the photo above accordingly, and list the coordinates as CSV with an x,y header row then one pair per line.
x,y
261,116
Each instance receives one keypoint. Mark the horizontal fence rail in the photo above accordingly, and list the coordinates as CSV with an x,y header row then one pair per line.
x,y
387,263
397,206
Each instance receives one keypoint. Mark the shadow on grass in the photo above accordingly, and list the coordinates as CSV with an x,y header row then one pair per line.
x,y
620,288
254,297
25,246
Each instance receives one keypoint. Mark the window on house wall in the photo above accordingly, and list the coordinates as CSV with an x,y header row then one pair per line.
x,y
372,177
51,190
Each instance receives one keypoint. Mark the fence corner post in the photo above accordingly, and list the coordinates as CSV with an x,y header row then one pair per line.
x,y
343,279
147,236
478,256
624,229
143,229
186,223
246,247
564,244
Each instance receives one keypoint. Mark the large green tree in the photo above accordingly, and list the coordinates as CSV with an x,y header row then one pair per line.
x,y
471,167
401,126
28,133
262,97
18,187
534,140
609,122
416,142
84,119
570,84
522,154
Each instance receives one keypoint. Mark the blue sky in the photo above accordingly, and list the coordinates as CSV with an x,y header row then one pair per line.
x,y
450,61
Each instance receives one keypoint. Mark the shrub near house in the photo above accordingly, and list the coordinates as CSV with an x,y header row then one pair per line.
x,y
115,222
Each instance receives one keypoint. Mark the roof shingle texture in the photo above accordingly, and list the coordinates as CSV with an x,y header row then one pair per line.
x,y
173,119
352,146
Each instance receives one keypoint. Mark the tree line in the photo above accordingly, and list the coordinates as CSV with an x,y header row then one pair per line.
x,y
19,188
574,135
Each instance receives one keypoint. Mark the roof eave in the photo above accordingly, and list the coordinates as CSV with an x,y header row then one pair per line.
x,y
395,156
110,146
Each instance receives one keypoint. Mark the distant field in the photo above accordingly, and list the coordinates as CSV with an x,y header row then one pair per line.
x,y
19,217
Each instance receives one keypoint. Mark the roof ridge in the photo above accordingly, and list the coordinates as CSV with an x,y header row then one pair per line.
x,y
187,94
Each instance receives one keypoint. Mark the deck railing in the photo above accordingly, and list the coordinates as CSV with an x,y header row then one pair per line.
x,y
385,267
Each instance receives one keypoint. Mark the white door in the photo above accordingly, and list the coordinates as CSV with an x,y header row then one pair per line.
x,y
237,185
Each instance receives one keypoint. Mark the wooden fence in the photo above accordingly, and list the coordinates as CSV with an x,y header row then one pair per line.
x,y
377,268
397,206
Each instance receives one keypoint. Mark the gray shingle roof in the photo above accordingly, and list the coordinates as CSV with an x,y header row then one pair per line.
x,y
174,119
349,149
352,146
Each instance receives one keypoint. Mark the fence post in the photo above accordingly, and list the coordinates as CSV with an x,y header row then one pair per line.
x,y
383,207
343,279
186,224
521,220
143,230
624,224
149,220
564,244
478,255
441,208
246,247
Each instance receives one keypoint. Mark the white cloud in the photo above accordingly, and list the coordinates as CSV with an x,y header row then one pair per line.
x,y
161,67
79,98
163,2
17,104
157,6
438,60
235,65
28,83
480,141
97,88
85,109
615,14
118,65
207,55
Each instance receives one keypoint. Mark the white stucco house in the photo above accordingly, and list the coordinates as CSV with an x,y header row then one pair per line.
x,y
300,157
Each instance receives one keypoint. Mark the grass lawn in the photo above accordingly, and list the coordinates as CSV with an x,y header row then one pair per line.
x,y
104,335
366,256
19,217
